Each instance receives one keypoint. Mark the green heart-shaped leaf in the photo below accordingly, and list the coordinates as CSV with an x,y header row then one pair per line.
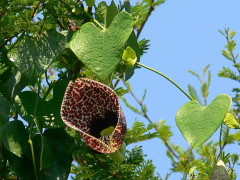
x,y
197,123
101,50
32,55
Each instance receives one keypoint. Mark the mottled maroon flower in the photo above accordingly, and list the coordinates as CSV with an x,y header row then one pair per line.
x,y
91,107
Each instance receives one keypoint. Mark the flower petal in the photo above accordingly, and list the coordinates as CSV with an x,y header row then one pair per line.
x,y
90,107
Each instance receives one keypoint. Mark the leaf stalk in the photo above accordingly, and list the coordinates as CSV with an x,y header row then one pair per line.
x,y
166,77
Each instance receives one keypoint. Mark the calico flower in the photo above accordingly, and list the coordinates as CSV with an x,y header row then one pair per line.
x,y
93,109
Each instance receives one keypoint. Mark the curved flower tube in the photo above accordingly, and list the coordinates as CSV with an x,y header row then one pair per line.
x,y
94,110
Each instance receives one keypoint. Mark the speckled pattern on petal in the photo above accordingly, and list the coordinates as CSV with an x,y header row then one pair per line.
x,y
89,107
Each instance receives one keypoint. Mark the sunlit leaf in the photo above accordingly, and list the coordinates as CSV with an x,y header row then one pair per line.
x,y
164,130
133,43
231,122
227,54
232,34
32,55
101,50
197,123
129,56
140,132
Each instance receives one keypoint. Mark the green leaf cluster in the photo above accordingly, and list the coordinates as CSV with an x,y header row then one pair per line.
x,y
143,46
210,153
32,55
94,166
232,73
44,45
140,132
142,9
52,157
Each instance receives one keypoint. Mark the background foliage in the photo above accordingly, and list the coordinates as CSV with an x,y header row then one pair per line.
x,y
36,64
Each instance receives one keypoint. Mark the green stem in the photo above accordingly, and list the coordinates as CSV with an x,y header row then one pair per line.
x,y
33,157
35,110
41,154
31,129
47,92
96,22
166,77
220,143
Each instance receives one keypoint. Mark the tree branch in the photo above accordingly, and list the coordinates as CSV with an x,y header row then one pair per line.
x,y
6,41
145,115
151,9
234,58
35,8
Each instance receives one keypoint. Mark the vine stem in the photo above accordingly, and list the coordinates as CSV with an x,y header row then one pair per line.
x,y
31,129
33,156
220,143
166,77
96,22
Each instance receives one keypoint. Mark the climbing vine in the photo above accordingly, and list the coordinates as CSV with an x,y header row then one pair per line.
x,y
60,115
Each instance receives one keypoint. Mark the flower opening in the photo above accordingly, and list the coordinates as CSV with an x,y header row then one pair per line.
x,y
91,107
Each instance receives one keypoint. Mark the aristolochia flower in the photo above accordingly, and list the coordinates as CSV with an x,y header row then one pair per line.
x,y
93,109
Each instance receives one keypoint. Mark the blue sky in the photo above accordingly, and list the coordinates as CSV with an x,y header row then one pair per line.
x,y
184,36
